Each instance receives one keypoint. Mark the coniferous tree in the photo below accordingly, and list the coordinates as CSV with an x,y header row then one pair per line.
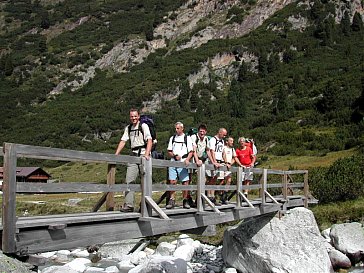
x,y
345,24
357,24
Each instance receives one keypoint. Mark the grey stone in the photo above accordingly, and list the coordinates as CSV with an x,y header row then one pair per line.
x,y
10,265
184,252
339,259
118,249
349,239
59,269
165,249
292,244
161,264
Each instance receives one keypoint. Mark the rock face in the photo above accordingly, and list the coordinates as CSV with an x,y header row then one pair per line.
x,y
268,244
9,265
349,239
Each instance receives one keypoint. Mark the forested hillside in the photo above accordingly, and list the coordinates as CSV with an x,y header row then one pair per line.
x,y
295,83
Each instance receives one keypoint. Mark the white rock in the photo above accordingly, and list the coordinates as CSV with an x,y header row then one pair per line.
x,y
93,269
138,258
230,270
165,264
339,259
81,254
184,239
149,251
112,269
59,269
78,264
165,249
184,252
292,244
326,233
125,265
48,254
349,239
63,252
197,246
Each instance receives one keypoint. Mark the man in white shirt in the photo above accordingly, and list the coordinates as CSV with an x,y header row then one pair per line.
x,y
141,145
214,152
179,149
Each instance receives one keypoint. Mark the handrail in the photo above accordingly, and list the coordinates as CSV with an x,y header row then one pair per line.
x,y
12,151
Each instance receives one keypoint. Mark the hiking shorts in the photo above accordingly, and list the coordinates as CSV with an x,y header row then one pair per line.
x,y
178,174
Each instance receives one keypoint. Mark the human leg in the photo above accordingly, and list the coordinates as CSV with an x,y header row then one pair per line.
x,y
132,173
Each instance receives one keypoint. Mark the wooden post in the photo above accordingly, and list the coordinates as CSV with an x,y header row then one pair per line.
x,y
264,185
9,199
146,184
285,186
110,202
201,180
305,189
239,186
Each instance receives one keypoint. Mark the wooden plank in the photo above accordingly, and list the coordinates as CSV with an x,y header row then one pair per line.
x,y
201,184
264,185
242,196
156,208
72,187
38,152
34,241
239,185
110,202
146,180
209,203
99,203
9,199
306,189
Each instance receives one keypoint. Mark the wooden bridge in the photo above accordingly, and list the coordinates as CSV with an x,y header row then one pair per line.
x,y
33,234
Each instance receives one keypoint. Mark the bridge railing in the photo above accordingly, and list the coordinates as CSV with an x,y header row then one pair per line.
x,y
11,152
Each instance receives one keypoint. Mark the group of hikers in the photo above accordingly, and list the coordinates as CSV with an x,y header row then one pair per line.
x,y
194,147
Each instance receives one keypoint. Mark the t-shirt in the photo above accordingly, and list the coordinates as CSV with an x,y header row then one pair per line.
x,y
215,144
245,156
200,145
178,146
229,153
136,136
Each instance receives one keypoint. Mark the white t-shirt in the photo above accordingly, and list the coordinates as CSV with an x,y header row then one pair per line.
x,y
178,146
200,145
136,136
215,144
229,153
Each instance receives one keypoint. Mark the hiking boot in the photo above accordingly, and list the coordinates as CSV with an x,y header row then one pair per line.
x,y
127,208
191,203
185,204
223,198
171,204
214,201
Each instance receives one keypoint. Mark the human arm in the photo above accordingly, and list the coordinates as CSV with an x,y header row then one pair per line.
x,y
120,147
148,148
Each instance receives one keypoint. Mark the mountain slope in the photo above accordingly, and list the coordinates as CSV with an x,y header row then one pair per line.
x,y
293,83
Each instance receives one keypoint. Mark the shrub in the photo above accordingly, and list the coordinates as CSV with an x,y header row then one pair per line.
x,y
343,180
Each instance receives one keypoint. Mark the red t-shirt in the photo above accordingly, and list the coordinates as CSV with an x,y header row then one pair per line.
x,y
245,156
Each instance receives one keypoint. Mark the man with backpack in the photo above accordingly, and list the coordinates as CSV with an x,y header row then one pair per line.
x,y
141,144
214,152
179,149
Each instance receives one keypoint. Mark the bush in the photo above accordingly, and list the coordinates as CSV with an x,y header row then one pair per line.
x,y
343,180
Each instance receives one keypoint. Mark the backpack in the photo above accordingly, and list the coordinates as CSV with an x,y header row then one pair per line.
x,y
192,131
147,119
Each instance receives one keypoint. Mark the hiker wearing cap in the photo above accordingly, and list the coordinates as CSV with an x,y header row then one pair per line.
x,y
245,158
141,145
179,149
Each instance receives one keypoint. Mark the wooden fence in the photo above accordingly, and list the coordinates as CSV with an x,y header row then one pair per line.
x,y
11,152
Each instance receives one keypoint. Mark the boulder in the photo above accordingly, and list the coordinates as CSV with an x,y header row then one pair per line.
x,y
10,265
292,244
339,259
58,269
165,249
349,239
184,252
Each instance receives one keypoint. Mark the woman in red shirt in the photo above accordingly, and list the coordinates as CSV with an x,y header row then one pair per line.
x,y
245,158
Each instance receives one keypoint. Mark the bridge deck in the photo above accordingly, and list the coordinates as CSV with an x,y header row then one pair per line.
x,y
66,231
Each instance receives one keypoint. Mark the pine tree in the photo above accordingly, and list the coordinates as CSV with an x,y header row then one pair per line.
x,y
345,24
357,24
